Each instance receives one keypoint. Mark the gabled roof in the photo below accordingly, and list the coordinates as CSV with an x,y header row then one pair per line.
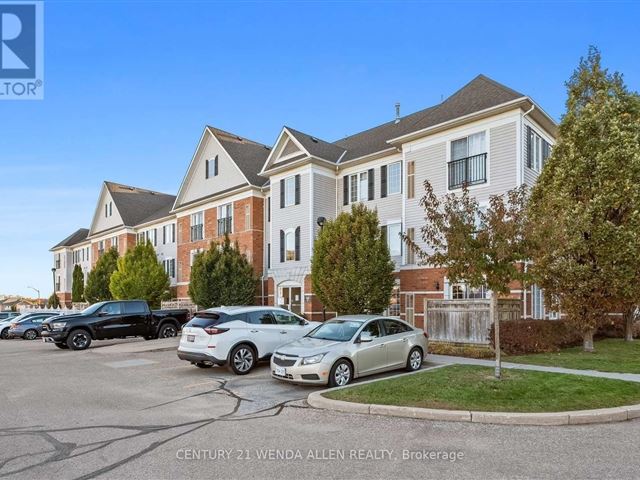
x,y
76,237
138,205
248,155
316,147
479,94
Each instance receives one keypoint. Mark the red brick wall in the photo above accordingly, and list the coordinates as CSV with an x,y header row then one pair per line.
x,y
125,242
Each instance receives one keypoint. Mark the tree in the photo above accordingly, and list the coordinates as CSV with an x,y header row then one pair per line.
x,y
53,301
585,208
351,269
481,247
97,287
77,288
222,275
140,276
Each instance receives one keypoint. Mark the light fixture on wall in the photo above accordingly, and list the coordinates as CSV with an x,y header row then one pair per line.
x,y
437,285
321,221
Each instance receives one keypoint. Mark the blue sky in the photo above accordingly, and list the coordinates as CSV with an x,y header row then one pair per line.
x,y
130,85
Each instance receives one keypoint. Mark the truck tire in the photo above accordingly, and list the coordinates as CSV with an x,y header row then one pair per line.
x,y
79,340
168,330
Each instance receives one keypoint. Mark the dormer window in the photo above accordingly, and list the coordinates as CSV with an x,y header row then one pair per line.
x,y
211,168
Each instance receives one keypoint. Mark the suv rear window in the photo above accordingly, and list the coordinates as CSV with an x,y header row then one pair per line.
x,y
210,319
135,307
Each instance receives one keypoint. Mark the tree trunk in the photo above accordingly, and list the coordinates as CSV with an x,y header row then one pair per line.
x,y
629,317
587,341
494,318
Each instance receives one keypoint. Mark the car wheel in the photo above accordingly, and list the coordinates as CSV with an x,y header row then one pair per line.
x,y
4,334
167,331
242,359
341,374
62,346
79,340
30,335
414,360
203,365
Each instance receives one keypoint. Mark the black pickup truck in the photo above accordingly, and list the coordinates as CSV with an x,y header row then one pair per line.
x,y
113,319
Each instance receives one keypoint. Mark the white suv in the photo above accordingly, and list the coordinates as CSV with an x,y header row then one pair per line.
x,y
239,336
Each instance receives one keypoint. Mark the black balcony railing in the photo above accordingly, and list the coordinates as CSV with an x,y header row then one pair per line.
x,y
197,232
224,225
468,171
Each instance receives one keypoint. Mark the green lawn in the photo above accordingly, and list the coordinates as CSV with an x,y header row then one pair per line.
x,y
467,387
611,355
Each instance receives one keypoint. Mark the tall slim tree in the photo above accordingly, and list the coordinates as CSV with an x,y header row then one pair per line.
x,y
97,287
351,269
222,275
77,288
140,276
481,247
585,208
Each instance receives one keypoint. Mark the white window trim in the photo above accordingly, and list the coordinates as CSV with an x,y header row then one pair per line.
x,y
393,223
290,183
389,192
292,232
360,192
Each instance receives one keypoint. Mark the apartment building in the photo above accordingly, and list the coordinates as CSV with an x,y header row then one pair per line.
x,y
123,216
273,201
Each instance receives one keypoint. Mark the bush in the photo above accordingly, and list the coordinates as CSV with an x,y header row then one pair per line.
x,y
443,348
518,337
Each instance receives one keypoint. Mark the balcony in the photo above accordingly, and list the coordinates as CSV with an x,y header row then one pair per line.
x,y
467,171
197,232
224,225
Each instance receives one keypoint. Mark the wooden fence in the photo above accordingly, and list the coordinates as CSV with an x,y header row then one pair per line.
x,y
466,321
179,303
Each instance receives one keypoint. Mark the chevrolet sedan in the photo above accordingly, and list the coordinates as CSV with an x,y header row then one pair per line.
x,y
349,347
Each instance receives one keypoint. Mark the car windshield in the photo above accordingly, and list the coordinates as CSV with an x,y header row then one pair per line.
x,y
336,330
17,319
92,309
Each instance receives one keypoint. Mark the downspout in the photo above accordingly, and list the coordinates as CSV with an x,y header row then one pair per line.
x,y
264,263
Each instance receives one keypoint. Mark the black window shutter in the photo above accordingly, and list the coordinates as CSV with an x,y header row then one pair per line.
x,y
383,181
345,190
298,243
282,193
297,189
268,255
215,166
281,246
269,209
384,233
206,169
545,152
529,147
371,179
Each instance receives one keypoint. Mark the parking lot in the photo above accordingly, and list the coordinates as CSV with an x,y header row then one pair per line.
x,y
130,409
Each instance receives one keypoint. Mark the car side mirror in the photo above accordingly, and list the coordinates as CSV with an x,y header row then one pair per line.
x,y
365,337
303,322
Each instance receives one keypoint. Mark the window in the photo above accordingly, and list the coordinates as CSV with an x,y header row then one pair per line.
x,y
114,308
110,208
133,308
106,210
211,168
537,302
290,191
192,255
225,219
411,179
100,248
411,254
197,226
247,217
290,245
394,327
462,291
114,242
58,284
261,317
373,329
168,233
394,180
284,318
57,261
170,267
538,150
468,164
393,239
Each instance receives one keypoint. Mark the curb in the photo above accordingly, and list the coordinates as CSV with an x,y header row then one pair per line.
x,y
576,417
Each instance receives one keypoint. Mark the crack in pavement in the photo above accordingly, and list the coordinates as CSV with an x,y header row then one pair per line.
x,y
66,450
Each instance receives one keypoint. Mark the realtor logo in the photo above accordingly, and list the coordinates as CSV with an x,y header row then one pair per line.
x,y
21,42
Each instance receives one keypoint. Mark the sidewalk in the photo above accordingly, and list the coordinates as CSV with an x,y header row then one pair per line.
x,y
450,360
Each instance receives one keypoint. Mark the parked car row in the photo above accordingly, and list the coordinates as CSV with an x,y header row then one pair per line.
x,y
331,353
299,351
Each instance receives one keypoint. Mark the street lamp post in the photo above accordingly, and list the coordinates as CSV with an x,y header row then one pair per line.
x,y
38,292
53,274
321,221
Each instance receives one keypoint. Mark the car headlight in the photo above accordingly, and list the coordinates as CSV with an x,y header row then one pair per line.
x,y
314,359
58,325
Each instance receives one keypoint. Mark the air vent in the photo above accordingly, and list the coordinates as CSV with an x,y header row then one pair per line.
x,y
314,139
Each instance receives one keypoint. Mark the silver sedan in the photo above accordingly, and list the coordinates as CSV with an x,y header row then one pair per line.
x,y
349,347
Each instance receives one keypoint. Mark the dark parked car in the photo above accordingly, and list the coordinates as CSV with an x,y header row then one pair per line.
x,y
30,328
114,319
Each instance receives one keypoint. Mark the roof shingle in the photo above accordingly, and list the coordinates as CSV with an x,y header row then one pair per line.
x,y
76,237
